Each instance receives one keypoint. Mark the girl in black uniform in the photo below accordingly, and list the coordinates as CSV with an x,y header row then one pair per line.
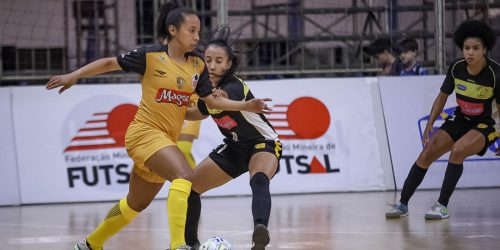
x,y
250,144
470,130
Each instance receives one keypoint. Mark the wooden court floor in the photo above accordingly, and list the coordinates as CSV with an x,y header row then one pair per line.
x,y
314,221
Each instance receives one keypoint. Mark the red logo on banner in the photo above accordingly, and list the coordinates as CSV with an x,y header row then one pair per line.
x,y
317,167
303,118
104,129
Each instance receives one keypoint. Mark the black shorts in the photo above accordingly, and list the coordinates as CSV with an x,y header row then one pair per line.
x,y
234,158
457,126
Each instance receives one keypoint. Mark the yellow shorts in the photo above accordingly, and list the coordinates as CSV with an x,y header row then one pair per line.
x,y
141,142
191,128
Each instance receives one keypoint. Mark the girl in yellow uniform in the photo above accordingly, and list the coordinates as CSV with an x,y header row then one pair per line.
x,y
169,75
190,131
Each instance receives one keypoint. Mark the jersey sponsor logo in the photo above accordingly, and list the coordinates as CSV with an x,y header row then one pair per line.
x,y
226,122
177,97
469,108
473,90
181,82
94,140
161,74
303,118
194,80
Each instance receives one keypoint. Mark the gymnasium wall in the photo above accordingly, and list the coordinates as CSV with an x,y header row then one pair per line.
x,y
338,134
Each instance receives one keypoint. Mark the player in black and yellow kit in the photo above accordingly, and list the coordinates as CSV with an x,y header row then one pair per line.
x,y
470,130
250,144
169,75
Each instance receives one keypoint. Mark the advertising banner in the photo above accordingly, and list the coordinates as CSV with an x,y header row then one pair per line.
x,y
329,136
71,146
407,103
9,180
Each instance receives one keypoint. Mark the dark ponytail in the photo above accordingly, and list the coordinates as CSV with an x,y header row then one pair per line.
x,y
220,38
171,13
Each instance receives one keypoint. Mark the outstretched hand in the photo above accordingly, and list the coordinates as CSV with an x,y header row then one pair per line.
x,y
426,135
258,105
64,81
497,152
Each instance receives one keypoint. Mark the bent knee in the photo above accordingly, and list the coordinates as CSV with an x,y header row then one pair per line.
x,y
184,174
458,150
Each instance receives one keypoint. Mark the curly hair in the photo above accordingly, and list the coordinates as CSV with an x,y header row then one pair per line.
x,y
474,28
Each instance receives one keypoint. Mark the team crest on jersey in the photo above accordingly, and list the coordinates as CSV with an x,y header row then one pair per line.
x,y
181,82
195,79
162,58
482,92
195,63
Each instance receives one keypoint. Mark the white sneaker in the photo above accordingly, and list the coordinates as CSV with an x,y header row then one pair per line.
x,y
398,211
437,212
82,245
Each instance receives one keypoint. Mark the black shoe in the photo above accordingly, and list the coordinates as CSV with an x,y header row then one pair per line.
x,y
260,237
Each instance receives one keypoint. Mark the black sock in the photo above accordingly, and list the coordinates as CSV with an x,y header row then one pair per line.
x,y
261,198
192,219
451,177
413,180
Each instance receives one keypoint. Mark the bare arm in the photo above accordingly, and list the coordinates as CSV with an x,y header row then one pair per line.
x,y
255,105
100,66
194,114
437,108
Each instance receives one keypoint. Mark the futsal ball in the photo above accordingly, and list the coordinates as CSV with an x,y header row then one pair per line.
x,y
216,243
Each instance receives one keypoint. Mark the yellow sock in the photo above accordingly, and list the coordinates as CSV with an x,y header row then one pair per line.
x,y
118,217
177,209
185,147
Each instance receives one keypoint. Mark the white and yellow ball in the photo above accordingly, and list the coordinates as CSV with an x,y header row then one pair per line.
x,y
216,243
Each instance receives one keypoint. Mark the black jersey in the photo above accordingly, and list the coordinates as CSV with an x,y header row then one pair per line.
x,y
239,126
474,93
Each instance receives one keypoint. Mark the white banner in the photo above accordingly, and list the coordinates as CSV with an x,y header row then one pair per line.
x,y
70,146
407,103
329,134
9,180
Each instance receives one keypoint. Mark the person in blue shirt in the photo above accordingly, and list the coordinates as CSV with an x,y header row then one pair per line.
x,y
410,66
